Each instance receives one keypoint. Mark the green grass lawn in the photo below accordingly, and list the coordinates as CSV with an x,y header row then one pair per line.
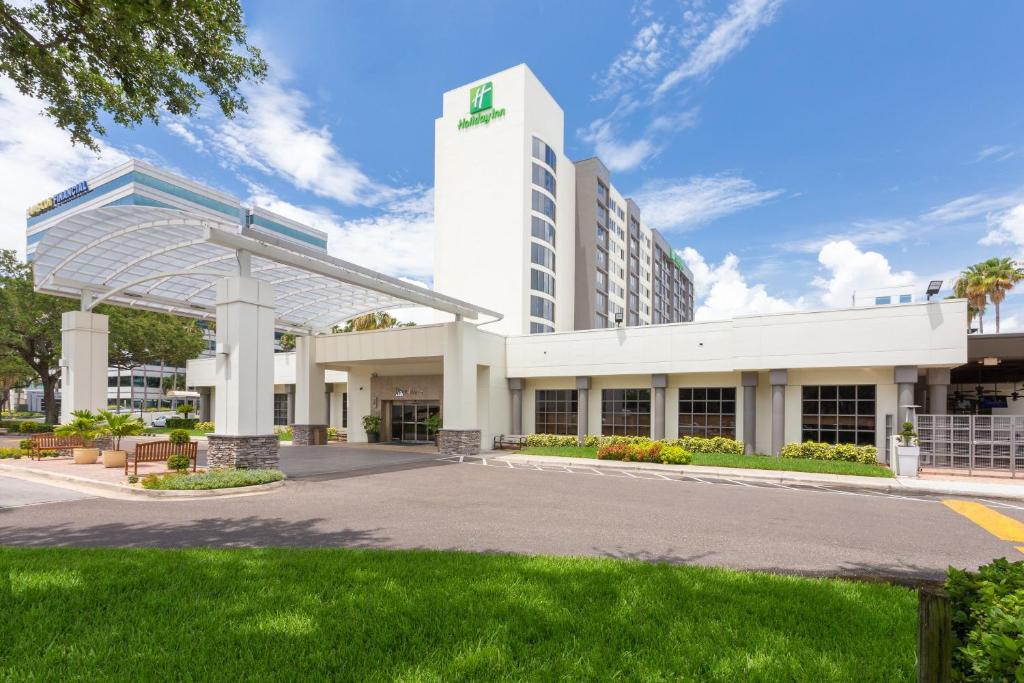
x,y
757,462
335,614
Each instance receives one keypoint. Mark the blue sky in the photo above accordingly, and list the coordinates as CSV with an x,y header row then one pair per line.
x,y
792,150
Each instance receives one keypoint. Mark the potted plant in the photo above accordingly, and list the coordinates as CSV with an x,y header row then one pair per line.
x,y
119,425
84,424
371,425
908,450
433,425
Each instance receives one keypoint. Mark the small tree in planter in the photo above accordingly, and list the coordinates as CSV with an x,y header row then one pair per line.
x,y
84,424
433,425
908,450
185,409
119,425
179,463
371,425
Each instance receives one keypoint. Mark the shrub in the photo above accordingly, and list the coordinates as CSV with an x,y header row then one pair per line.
x,y
179,463
25,444
371,424
551,440
214,479
675,455
181,423
25,427
715,444
813,450
133,479
988,621
283,433
179,437
332,433
205,427
8,453
641,452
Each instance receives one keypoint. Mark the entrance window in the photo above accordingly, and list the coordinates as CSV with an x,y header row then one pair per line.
x,y
707,411
408,419
839,414
555,411
280,409
626,412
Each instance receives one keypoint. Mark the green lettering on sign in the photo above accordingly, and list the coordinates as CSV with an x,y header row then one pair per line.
x,y
477,119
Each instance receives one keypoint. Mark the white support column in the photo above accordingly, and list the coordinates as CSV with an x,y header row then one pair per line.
x,y
461,432
310,428
244,388
359,403
84,370
938,390
778,379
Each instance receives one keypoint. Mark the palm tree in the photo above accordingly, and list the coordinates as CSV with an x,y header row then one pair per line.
x,y
1001,274
973,285
380,320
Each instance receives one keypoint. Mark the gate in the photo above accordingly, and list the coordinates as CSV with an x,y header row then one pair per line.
x,y
989,443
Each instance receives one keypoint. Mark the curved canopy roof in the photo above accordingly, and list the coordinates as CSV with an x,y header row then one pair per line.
x,y
170,260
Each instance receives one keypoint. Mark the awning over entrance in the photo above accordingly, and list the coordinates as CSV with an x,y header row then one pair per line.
x,y
170,260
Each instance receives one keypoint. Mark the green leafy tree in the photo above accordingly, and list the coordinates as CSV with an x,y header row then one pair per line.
x,y
175,382
286,342
1001,274
379,320
130,58
30,325
14,373
120,425
973,285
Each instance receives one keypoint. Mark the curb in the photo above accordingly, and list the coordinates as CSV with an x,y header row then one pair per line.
x,y
892,485
104,489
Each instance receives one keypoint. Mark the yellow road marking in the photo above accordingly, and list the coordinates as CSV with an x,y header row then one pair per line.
x,y
999,525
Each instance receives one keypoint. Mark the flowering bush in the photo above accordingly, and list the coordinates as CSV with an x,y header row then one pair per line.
x,y
715,444
205,426
551,440
813,450
594,441
675,455
641,452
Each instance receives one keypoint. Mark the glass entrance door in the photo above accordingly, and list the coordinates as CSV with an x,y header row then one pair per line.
x,y
408,419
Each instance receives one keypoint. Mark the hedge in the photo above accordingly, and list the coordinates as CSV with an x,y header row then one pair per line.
x,y
25,427
813,450
692,444
988,621
651,451
181,423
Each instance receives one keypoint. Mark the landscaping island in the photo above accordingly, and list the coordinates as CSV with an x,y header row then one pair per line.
x,y
756,462
333,614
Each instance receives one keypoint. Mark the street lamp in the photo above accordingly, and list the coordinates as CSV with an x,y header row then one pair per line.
x,y
933,288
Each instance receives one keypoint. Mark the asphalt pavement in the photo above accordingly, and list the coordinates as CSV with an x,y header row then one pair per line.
x,y
399,499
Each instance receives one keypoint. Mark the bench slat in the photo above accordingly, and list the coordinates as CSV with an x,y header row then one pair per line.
x,y
159,451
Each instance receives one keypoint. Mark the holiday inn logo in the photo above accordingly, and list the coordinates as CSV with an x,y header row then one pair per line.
x,y
480,97
481,106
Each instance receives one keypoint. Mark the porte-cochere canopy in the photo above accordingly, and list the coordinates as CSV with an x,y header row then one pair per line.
x,y
170,260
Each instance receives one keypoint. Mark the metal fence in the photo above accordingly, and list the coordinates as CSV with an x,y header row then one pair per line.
x,y
989,443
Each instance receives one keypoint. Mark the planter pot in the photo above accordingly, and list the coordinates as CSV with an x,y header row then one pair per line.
x,y
115,458
372,437
86,456
908,458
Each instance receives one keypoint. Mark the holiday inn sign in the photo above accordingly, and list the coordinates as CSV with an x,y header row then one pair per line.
x,y
481,109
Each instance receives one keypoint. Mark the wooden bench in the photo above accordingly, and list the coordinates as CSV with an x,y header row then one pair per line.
x,y
52,442
516,441
160,451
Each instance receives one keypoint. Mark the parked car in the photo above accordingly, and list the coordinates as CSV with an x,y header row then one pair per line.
x,y
159,421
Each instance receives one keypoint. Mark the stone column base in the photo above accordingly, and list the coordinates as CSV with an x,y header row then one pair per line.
x,y
242,452
458,441
309,435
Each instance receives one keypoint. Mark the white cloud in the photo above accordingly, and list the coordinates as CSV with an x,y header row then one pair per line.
x,y
730,34
399,241
37,160
723,292
277,138
617,155
861,233
850,269
642,59
997,153
972,206
1006,228
681,204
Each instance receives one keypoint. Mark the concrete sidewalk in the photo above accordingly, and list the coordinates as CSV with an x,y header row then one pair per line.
x,y
945,487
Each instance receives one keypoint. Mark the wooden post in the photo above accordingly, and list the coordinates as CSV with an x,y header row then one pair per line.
x,y
934,637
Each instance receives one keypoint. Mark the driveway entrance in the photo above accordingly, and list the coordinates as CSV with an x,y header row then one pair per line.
x,y
339,460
